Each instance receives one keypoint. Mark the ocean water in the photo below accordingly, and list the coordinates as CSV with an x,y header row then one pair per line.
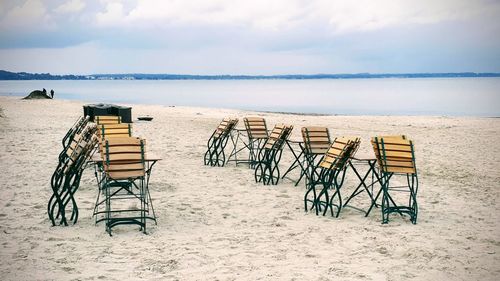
x,y
423,96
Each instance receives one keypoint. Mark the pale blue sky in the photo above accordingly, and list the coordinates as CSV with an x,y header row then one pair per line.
x,y
249,37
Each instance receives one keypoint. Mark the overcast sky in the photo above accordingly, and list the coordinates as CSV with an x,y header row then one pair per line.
x,y
249,37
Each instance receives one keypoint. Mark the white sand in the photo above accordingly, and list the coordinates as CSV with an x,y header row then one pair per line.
x,y
217,223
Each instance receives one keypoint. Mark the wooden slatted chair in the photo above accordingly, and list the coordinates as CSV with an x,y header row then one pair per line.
x,y
396,157
106,120
267,167
331,176
215,156
257,133
316,143
124,182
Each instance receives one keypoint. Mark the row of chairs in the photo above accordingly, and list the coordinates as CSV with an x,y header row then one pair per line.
x,y
265,148
325,163
121,176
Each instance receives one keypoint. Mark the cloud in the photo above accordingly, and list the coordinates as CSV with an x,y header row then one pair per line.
x,y
73,6
32,14
113,15
366,15
339,16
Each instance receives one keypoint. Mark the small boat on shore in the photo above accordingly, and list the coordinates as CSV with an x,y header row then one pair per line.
x,y
145,118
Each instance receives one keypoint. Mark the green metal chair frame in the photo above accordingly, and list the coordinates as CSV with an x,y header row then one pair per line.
x,y
215,156
396,157
331,176
267,167
66,178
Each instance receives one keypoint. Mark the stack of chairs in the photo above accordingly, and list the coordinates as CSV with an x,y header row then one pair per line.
x,y
331,175
122,177
396,157
215,156
316,143
269,156
78,145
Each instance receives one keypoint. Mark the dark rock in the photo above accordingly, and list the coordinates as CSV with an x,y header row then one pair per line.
x,y
37,94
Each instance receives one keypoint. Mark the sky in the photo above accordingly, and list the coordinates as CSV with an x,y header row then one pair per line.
x,y
254,37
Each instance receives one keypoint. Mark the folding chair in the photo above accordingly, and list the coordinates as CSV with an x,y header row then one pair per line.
x,y
267,167
106,120
257,134
331,175
316,144
396,157
216,144
125,183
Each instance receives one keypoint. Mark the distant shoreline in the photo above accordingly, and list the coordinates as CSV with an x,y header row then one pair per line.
x,y
7,75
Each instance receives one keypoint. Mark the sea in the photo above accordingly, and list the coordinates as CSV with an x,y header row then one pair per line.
x,y
382,96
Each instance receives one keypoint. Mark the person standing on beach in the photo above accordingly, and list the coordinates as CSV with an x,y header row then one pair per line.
x,y
51,93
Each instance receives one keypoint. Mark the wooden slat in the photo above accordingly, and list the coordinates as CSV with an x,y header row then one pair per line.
x,y
124,167
254,119
126,174
123,149
124,156
115,126
318,138
116,131
408,163
399,154
124,141
315,129
396,147
393,141
390,169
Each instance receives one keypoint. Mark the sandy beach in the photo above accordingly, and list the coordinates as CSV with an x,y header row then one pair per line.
x,y
218,224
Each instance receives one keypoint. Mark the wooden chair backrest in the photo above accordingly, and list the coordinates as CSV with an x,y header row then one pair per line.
x,y
225,127
114,130
278,136
316,140
99,120
395,154
79,150
387,137
124,158
339,153
256,127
